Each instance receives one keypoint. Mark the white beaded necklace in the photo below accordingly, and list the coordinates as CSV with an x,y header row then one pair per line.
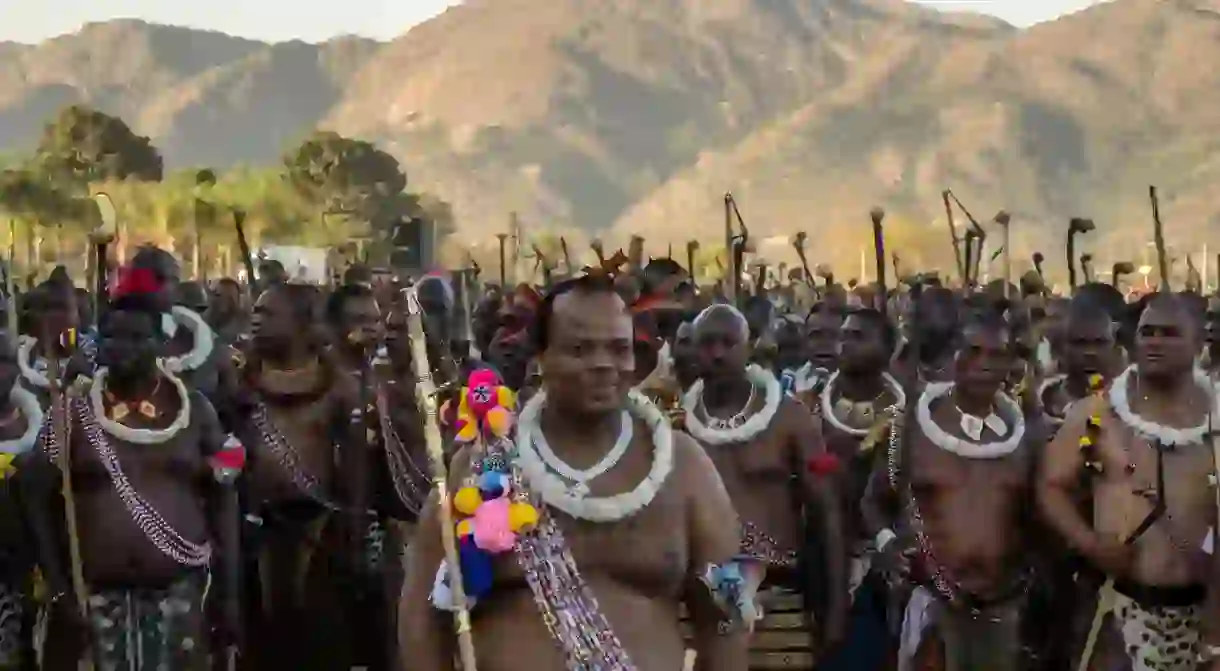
x,y
828,410
756,424
201,347
1165,435
29,408
25,354
958,446
134,435
581,478
556,492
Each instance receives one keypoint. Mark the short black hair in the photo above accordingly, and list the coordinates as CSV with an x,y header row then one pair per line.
x,y
337,301
993,321
305,300
596,283
1169,301
1085,308
873,319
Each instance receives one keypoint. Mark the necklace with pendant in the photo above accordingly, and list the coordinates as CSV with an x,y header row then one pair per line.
x,y
120,409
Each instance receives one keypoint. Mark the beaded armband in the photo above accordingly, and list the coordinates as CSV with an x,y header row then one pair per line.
x,y
731,593
229,462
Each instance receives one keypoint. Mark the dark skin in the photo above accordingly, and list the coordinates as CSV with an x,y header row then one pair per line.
x,y
974,510
175,478
1162,390
864,359
686,365
1212,332
1089,348
309,401
760,478
822,329
638,567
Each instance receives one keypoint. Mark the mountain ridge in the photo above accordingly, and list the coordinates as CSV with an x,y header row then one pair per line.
x,y
636,116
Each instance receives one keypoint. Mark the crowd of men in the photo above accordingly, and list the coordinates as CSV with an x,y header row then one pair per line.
x,y
984,479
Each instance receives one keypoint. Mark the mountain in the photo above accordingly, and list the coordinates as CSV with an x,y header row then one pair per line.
x,y
637,115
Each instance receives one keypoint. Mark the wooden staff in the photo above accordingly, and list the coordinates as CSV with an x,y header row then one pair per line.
x,y
1158,237
896,262
1038,259
426,400
877,215
503,238
10,287
957,248
1003,219
692,246
737,246
1086,267
567,258
102,237
61,427
730,285
1118,270
1076,226
968,257
798,243
239,225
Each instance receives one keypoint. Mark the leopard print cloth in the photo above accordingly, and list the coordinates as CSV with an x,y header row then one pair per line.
x,y
1159,638
11,612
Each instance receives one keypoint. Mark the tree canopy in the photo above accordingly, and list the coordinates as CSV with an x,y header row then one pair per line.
x,y
328,192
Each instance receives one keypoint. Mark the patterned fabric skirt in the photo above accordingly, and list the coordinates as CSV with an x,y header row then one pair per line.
x,y
12,626
150,629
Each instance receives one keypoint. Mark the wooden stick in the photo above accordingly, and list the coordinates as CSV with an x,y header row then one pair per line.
x,y
503,238
425,398
730,285
877,215
1002,218
1158,237
957,243
61,427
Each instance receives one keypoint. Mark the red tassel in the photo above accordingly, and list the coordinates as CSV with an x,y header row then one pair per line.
x,y
823,464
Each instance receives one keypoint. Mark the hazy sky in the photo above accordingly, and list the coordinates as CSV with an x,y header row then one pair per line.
x,y
316,20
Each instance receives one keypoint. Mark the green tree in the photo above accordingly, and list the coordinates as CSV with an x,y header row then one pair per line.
x,y
82,145
344,176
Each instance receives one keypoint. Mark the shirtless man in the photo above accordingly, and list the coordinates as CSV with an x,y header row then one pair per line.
x,y
939,319
156,512
227,314
764,444
307,487
617,566
956,485
822,328
1148,443
854,409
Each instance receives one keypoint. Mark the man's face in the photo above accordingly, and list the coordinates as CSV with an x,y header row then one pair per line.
x,y
589,362
863,348
721,346
362,319
824,332
984,361
273,322
1166,341
686,363
1088,345
130,342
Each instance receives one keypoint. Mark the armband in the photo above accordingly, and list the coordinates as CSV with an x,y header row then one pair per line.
x,y
229,462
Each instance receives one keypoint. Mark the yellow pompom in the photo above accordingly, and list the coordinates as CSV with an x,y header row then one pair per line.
x,y
506,397
468,432
499,421
522,517
1096,381
467,500
1085,441
465,528
1095,420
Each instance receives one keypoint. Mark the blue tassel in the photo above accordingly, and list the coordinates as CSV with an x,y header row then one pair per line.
x,y
491,485
476,568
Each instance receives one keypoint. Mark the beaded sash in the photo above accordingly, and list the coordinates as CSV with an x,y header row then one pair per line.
x,y
568,606
154,527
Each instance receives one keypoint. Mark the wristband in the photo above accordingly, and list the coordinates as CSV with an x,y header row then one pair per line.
x,y
884,538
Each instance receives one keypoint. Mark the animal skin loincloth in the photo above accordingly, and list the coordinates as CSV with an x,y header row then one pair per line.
x,y
12,612
1136,637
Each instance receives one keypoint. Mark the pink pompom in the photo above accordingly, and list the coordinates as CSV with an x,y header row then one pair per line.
x,y
492,531
481,391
